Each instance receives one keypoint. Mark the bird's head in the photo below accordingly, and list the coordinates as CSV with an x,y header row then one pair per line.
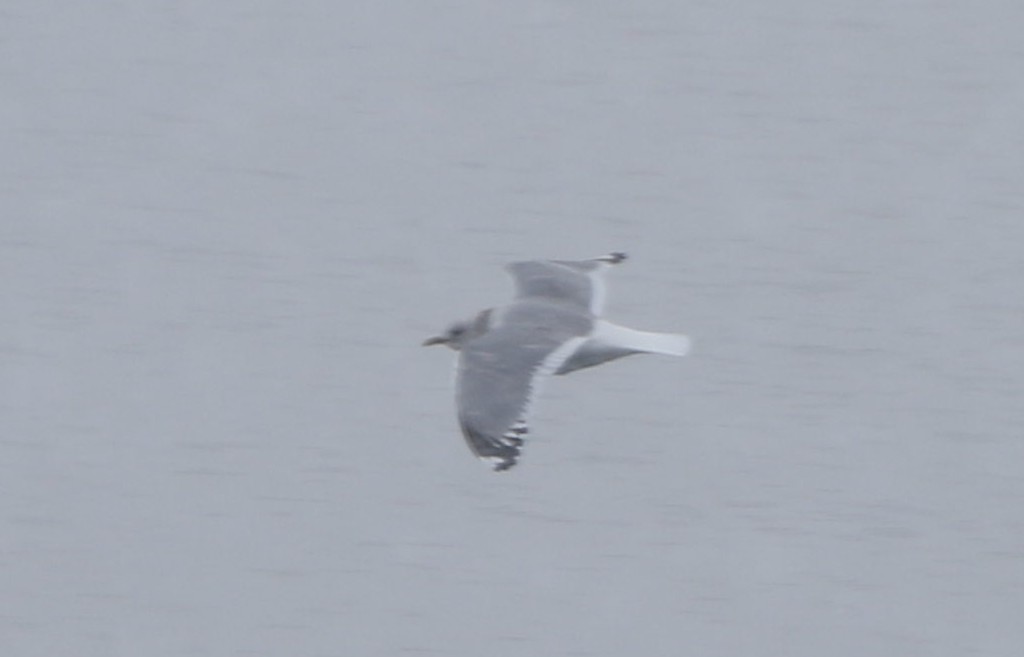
x,y
453,336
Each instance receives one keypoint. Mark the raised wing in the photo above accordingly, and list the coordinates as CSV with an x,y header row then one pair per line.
x,y
579,283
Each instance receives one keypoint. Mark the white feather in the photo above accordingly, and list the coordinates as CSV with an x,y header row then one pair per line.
x,y
613,335
598,288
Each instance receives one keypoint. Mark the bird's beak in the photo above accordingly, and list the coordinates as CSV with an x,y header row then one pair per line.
x,y
437,339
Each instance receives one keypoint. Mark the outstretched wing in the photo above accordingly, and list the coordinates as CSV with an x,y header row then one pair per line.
x,y
499,376
578,282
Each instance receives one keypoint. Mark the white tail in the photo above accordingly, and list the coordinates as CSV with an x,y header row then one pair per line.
x,y
671,344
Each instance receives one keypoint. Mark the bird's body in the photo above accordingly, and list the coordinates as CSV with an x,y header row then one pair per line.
x,y
551,327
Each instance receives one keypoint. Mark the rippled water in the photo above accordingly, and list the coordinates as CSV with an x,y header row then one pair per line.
x,y
227,227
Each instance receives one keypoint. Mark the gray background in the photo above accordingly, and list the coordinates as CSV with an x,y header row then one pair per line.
x,y
226,226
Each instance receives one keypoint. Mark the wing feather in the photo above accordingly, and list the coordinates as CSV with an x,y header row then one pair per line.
x,y
579,282
499,377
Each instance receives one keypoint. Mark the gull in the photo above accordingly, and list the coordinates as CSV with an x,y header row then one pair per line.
x,y
552,326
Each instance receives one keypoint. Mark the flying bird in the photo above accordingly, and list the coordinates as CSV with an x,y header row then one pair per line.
x,y
552,326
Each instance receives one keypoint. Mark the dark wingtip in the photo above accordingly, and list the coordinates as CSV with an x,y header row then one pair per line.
x,y
505,461
505,465
508,454
502,453
614,258
513,444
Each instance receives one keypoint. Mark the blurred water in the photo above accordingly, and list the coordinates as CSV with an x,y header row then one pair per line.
x,y
227,227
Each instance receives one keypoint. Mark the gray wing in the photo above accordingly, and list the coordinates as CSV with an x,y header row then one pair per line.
x,y
579,283
499,376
